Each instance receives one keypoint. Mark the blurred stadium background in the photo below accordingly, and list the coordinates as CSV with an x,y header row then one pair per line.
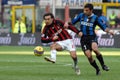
x,y
16,50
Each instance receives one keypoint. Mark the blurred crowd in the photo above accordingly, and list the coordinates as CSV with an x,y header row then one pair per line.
x,y
114,20
24,22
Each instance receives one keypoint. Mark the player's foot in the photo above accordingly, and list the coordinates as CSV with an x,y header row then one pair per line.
x,y
49,59
104,67
98,72
77,70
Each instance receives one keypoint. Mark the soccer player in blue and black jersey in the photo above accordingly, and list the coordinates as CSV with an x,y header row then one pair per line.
x,y
88,21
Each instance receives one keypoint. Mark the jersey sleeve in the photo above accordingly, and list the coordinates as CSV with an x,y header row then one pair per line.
x,y
74,29
77,18
100,23
44,36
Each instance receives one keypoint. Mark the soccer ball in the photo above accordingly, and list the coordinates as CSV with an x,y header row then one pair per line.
x,y
38,51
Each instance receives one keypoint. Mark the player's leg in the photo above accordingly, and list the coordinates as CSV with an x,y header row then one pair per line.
x,y
74,57
99,56
75,60
53,52
92,61
70,46
86,47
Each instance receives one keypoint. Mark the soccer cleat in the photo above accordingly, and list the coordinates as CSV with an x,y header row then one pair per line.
x,y
98,72
77,70
49,59
104,67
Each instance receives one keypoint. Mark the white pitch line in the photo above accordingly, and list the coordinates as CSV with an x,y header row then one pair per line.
x,y
63,64
67,65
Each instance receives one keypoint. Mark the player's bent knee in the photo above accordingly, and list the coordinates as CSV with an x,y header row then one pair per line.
x,y
95,49
52,46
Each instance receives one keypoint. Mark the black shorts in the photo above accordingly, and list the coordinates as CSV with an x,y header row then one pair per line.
x,y
86,42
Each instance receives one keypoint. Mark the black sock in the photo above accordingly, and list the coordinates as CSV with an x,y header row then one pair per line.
x,y
75,61
94,64
100,58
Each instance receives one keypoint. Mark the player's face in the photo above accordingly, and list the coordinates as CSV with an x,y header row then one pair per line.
x,y
48,20
87,11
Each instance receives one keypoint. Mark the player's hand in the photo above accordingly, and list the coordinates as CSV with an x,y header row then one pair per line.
x,y
55,37
111,32
80,34
66,25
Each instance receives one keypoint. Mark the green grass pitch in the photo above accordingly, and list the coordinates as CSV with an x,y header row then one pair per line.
x,y
19,63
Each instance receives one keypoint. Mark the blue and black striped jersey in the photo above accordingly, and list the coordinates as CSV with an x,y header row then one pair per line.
x,y
88,23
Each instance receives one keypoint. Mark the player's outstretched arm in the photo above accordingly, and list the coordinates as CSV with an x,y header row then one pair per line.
x,y
109,31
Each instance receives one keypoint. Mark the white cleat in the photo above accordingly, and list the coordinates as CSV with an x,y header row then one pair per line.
x,y
77,70
49,59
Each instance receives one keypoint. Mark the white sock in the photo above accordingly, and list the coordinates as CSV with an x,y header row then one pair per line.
x,y
53,54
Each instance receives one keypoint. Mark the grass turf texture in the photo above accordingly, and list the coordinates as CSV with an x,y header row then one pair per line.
x,y
19,63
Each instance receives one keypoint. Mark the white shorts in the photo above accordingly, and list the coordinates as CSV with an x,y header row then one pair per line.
x,y
67,44
71,33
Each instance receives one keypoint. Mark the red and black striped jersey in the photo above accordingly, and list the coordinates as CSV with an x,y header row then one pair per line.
x,y
56,28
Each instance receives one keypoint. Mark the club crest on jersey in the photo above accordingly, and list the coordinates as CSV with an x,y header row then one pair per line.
x,y
52,27
82,19
42,35
92,20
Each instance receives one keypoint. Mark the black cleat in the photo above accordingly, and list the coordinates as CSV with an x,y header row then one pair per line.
x,y
98,72
104,67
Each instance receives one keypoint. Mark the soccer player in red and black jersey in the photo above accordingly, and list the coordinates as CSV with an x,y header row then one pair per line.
x,y
55,32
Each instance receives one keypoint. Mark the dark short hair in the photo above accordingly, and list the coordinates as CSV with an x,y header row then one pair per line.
x,y
48,14
89,5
